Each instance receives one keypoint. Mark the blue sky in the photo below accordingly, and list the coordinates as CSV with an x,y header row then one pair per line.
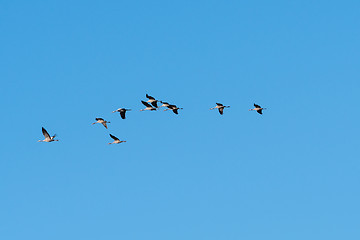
x,y
292,173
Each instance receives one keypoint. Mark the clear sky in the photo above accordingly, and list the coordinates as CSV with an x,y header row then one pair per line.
x,y
291,173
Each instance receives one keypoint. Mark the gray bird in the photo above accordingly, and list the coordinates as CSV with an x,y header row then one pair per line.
x,y
102,121
257,108
116,140
47,136
220,107
122,112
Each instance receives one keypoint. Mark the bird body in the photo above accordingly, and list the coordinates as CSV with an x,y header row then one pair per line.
x,y
102,121
116,140
122,112
220,107
257,108
47,136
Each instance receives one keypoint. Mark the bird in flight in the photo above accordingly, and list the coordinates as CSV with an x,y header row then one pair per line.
x,y
102,121
148,106
174,108
116,140
220,107
122,112
164,104
47,136
152,100
257,108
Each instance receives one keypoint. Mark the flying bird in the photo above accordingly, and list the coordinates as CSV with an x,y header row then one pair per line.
x,y
102,121
122,112
47,136
257,108
148,106
174,108
220,107
152,100
116,140
164,104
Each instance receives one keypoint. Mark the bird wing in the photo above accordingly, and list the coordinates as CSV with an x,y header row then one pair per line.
x,y
104,123
221,111
171,106
97,119
146,104
175,111
45,133
150,97
219,104
113,137
122,114
154,104
259,111
257,106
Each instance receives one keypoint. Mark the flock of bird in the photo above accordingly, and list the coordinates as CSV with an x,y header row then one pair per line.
x,y
151,105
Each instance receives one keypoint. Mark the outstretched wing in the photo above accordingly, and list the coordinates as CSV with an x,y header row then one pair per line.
x,y
175,111
259,111
122,114
219,104
154,103
99,119
150,97
45,133
221,111
257,106
104,123
146,104
113,137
